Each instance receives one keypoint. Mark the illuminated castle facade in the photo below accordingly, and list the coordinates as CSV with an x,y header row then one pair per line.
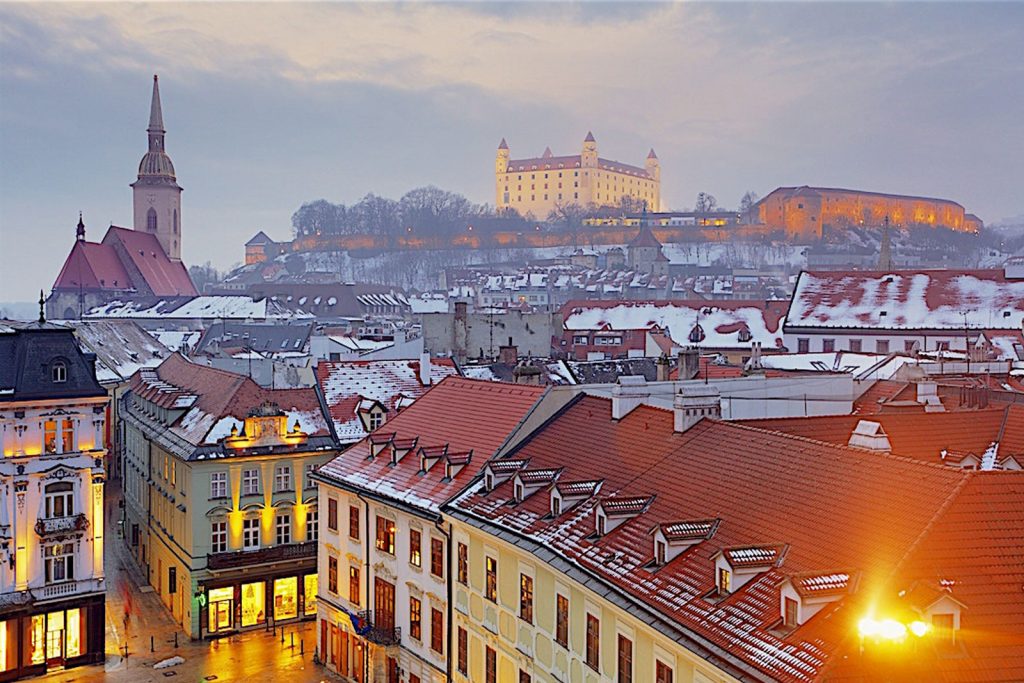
x,y
804,212
541,184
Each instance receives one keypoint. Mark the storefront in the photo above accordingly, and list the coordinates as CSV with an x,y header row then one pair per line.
x,y
44,638
232,606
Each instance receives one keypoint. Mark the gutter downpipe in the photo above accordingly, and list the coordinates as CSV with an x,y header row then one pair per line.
x,y
366,571
439,525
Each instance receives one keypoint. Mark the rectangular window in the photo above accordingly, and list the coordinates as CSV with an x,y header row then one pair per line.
x,y
353,522
219,485
219,537
463,658
625,660
562,620
67,435
332,514
310,469
724,580
312,525
284,529
882,346
250,482
490,665
60,563
353,585
283,478
526,598
250,534
437,631
491,583
463,564
855,346
663,673
50,436
415,548
437,557
524,677
908,345
593,642
803,345
790,618
828,345
332,574
60,499
385,541
415,618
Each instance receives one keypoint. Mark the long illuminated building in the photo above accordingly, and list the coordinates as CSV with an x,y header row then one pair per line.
x,y
52,423
220,507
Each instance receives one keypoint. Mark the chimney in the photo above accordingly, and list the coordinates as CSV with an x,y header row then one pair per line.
x,y
694,403
425,368
753,366
689,363
927,395
460,310
662,366
629,392
870,436
526,373
508,354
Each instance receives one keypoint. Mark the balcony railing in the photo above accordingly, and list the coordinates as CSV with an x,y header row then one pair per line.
x,y
69,588
277,553
378,634
57,526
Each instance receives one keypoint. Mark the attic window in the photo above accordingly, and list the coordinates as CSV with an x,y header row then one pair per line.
x,y
488,482
59,372
519,492
791,611
602,524
659,552
724,582
556,506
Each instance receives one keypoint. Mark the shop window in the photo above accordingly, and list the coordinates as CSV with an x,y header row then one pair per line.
x,y
251,533
221,609
50,437
59,500
286,598
415,548
60,563
38,640
284,529
254,603
309,589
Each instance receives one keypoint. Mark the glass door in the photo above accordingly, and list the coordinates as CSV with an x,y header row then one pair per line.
x,y
55,639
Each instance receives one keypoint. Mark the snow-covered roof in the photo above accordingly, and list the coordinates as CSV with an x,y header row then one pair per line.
x,y
228,307
121,348
907,299
429,303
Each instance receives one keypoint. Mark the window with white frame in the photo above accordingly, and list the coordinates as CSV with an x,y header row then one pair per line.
x,y
219,537
376,419
250,482
310,469
251,533
219,485
60,563
312,525
283,478
284,529
59,500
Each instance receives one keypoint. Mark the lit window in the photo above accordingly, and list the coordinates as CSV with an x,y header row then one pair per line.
x,y
562,620
415,618
67,435
463,559
415,548
59,500
526,598
353,585
50,437
491,584
60,563
332,574
724,580
385,540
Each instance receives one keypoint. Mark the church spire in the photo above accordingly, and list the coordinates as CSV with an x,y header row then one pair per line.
x,y
156,115
80,230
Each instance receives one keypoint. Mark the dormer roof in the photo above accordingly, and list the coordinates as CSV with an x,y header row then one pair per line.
x,y
755,556
822,584
701,529
626,506
578,489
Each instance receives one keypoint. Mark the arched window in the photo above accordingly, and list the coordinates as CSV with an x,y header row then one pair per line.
x,y
59,372
151,219
175,222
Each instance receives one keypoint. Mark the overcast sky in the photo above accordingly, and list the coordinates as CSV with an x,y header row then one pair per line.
x,y
270,105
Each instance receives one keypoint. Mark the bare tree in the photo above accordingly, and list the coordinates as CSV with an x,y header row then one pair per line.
x,y
747,203
706,203
570,216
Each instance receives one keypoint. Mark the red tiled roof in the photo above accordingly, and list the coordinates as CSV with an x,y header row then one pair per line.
x,y
871,401
831,506
465,414
93,266
163,276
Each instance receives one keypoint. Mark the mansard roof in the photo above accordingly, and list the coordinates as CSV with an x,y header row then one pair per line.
x,y
28,353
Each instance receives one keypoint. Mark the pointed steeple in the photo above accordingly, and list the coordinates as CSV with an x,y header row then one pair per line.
x,y
80,231
156,115
589,138
547,153
42,312
503,144
651,154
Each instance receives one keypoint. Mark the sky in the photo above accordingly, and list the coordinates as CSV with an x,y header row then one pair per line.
x,y
270,105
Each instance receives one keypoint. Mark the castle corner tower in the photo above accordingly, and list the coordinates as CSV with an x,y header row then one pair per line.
x,y
156,193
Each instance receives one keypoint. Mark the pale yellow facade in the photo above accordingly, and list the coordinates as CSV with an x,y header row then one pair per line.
x,y
540,185
530,647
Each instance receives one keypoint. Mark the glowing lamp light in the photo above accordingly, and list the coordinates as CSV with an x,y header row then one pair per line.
x,y
890,629
867,627
919,628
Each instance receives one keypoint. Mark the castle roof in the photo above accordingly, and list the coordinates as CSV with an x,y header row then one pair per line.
x,y
645,238
589,138
503,144
806,190
651,154
547,163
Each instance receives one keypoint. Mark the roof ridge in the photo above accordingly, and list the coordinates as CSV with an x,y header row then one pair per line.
x,y
966,476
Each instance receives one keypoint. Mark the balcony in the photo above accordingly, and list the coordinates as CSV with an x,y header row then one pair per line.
x,y
377,634
69,588
61,526
277,553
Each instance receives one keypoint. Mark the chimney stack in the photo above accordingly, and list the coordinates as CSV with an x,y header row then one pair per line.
x,y
662,366
508,354
629,392
688,363
425,368
694,403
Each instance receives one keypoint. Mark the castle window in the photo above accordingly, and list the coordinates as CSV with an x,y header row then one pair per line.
x,y
175,221
151,219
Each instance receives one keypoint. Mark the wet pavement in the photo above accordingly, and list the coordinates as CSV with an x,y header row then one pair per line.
x,y
251,657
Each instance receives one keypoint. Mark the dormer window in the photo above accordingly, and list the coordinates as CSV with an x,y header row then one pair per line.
x,y
724,581
660,552
602,524
488,482
59,372
519,492
790,613
376,420
556,506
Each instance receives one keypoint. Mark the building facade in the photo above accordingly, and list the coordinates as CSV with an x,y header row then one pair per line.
x,y
52,427
220,504
539,185
804,212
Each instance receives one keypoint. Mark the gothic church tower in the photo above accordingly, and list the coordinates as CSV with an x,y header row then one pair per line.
x,y
157,195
